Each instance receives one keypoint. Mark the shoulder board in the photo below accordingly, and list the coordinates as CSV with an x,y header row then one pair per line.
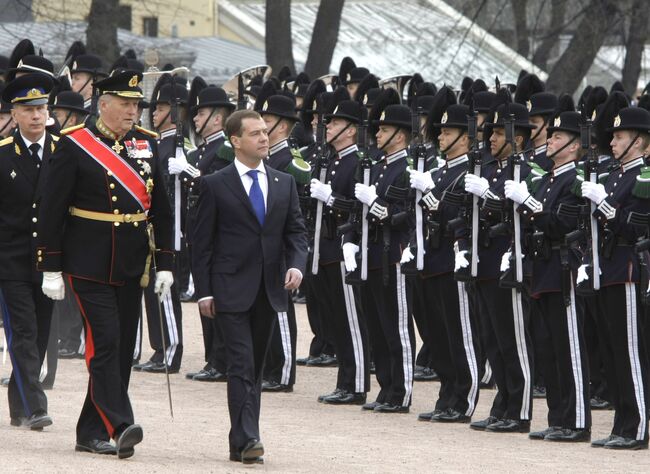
x,y
151,133
536,169
576,187
602,178
642,186
299,169
225,152
69,130
55,138
7,141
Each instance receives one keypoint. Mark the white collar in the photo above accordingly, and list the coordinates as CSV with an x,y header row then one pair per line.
x,y
41,142
457,161
603,158
395,156
214,136
347,150
278,146
540,149
167,133
564,168
633,164
242,169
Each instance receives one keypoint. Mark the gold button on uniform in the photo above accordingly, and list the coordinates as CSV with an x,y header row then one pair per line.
x,y
116,211
112,185
114,198
116,224
34,219
40,259
34,234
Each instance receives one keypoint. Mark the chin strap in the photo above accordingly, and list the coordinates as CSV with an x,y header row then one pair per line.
x,y
638,134
554,154
340,133
460,134
200,131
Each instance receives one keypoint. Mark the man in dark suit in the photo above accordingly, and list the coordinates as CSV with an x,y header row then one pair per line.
x,y
249,230
25,309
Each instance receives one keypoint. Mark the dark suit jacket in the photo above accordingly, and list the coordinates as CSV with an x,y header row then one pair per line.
x,y
21,185
232,252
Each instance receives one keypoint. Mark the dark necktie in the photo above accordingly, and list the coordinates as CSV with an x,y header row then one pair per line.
x,y
256,197
33,152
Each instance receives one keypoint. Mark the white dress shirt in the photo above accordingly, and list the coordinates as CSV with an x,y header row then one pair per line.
x,y
247,181
41,142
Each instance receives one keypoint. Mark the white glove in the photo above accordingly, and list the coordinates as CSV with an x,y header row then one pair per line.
x,y
164,282
476,185
365,194
461,260
177,165
320,191
349,256
422,181
407,255
582,274
594,192
505,261
53,285
518,192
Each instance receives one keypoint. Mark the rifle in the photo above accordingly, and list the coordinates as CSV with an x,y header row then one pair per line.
x,y
508,280
180,153
322,163
241,98
590,223
641,248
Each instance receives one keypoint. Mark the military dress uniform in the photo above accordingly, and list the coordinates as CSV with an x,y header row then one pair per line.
x,y
26,311
105,203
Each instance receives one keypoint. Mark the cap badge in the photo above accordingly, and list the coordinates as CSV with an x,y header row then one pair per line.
x,y
266,105
365,99
557,122
336,109
617,121
529,105
74,65
593,115
134,81
33,93
348,77
444,118
314,106
158,96
383,116
496,117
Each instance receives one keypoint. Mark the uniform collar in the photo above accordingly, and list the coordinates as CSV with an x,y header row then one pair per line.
x,y
633,164
278,146
214,136
459,160
540,149
395,156
347,150
167,133
41,141
107,132
564,168
603,158
88,103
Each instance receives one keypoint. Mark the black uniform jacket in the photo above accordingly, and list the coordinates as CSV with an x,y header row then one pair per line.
x,y
21,187
106,252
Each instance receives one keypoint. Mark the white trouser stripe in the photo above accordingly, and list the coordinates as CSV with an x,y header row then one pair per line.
x,y
576,360
172,330
522,352
633,352
355,334
468,344
138,337
285,337
405,339
487,374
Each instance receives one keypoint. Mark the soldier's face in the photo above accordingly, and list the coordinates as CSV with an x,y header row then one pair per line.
x,y
352,88
555,142
540,124
334,128
62,115
81,82
497,142
253,144
161,115
447,137
204,115
620,141
119,113
30,119
314,122
5,126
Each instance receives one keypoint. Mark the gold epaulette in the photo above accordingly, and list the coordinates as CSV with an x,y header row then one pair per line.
x,y
55,138
151,133
7,141
69,130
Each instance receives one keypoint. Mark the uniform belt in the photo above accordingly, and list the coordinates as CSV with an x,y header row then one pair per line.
x,y
106,217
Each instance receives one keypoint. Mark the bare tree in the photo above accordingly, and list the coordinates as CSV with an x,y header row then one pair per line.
x,y
520,26
635,44
279,47
324,37
556,26
101,35
589,36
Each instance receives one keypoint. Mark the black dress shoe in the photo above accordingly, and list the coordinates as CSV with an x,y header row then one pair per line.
x,y
304,360
345,398
271,386
335,392
159,368
370,406
390,408
482,424
95,446
186,297
38,421
139,367
210,375
597,403
126,440
619,442
539,391
569,435
451,416
237,458
20,421
323,360
253,450
427,374
4,381
544,433
509,426
426,416
65,353
600,443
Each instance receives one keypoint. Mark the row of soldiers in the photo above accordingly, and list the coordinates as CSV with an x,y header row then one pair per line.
x,y
472,212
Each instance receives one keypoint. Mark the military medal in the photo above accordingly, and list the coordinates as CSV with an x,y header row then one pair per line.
x,y
117,147
138,149
13,174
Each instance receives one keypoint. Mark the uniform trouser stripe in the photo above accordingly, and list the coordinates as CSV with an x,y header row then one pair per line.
x,y
522,352
172,329
633,352
16,367
285,337
355,334
138,341
468,344
487,374
405,339
576,360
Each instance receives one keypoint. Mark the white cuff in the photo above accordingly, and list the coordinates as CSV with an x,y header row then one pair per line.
x,y
205,298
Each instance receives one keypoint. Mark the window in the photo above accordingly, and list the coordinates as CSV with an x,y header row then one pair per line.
x,y
150,26
124,17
